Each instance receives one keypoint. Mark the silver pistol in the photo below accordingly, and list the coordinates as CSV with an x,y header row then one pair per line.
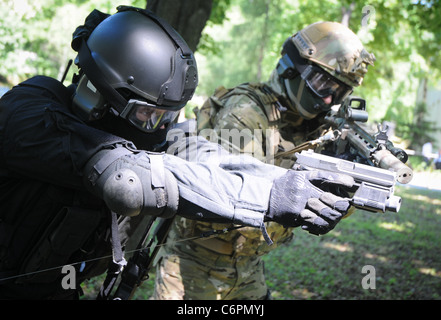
x,y
375,186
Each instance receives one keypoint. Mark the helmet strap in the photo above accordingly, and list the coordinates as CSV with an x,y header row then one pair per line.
x,y
300,91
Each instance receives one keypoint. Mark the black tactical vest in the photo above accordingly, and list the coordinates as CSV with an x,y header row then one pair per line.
x,y
47,220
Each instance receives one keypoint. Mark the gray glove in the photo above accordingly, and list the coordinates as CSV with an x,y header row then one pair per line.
x,y
298,198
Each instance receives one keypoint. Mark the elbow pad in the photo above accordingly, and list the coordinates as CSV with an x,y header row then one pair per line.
x,y
132,183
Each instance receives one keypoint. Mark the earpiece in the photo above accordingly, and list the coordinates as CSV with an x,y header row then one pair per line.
x,y
88,103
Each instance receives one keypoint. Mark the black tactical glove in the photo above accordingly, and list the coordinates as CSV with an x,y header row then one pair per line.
x,y
298,198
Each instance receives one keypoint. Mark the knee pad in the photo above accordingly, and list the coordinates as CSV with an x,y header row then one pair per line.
x,y
132,183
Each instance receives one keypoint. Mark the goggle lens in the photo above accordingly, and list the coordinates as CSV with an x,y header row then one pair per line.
x,y
324,84
148,117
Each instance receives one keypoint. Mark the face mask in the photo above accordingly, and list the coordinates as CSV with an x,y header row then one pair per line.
x,y
308,104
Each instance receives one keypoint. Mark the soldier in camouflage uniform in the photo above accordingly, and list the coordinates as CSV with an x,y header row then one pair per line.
x,y
319,67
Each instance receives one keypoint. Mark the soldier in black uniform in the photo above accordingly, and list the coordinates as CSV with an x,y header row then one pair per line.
x,y
75,176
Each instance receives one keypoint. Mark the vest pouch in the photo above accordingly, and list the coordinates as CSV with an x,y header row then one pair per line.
x,y
65,235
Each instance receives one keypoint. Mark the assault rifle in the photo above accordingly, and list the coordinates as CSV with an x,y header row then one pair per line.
x,y
375,186
352,142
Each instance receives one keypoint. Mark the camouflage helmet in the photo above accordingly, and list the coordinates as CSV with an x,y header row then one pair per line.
x,y
336,49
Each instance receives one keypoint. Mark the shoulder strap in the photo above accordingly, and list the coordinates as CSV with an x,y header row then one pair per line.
x,y
210,107
259,92
265,99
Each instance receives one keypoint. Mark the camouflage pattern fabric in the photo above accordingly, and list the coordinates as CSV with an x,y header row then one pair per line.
x,y
188,270
229,266
336,49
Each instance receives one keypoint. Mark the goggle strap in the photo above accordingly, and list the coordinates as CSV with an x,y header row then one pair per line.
x,y
308,70
127,109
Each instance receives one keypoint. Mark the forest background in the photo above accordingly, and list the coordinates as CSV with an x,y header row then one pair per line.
x,y
240,40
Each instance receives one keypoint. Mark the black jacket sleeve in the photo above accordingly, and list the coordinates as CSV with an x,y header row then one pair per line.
x,y
41,139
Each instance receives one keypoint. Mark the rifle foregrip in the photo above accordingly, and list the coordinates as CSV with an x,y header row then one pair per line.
x,y
387,160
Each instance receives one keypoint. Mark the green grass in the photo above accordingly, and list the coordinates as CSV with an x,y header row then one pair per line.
x,y
404,248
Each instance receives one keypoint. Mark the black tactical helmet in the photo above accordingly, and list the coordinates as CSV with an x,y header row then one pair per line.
x,y
136,65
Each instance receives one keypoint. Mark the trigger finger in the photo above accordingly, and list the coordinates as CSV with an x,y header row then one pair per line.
x,y
335,202
324,210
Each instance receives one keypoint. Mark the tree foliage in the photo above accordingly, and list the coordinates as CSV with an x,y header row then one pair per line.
x,y
403,35
35,35
242,41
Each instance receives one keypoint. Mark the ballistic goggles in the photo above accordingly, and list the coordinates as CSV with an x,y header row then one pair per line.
x,y
148,117
323,84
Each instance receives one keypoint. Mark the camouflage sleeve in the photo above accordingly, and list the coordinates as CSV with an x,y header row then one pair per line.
x,y
240,126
